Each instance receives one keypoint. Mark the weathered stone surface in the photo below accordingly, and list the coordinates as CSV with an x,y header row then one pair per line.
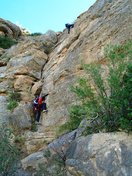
x,y
4,86
23,80
50,36
3,62
33,160
98,154
106,22
4,113
28,60
35,141
9,29
20,118
37,88
49,39
101,154
24,84
57,146
21,172
24,63
2,51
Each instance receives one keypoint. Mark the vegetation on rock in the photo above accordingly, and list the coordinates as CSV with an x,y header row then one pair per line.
x,y
106,97
6,42
13,99
35,34
9,154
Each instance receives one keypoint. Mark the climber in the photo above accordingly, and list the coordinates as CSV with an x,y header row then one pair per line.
x,y
39,105
69,26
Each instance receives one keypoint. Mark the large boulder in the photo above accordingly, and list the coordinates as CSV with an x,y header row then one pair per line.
x,y
95,155
100,154
9,29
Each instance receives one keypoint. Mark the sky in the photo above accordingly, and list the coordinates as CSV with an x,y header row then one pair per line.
x,y
43,15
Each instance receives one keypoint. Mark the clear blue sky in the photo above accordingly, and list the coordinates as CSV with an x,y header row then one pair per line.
x,y
42,15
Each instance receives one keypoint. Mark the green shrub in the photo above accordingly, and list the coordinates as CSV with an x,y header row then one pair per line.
x,y
13,99
35,34
126,119
9,154
12,105
107,96
6,42
33,127
20,139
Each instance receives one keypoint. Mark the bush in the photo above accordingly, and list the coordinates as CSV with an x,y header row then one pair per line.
x,y
9,154
109,96
6,42
35,34
13,99
126,119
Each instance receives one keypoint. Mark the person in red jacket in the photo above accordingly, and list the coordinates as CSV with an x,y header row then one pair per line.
x,y
39,106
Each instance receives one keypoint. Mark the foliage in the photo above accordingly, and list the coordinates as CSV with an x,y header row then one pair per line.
x,y
35,34
106,92
33,127
9,154
19,139
6,42
13,99
126,120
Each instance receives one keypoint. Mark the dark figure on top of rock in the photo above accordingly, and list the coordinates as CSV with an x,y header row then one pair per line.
x,y
69,26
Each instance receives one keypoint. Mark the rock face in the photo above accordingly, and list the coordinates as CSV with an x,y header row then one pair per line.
x,y
104,154
100,154
50,63
22,73
9,29
106,22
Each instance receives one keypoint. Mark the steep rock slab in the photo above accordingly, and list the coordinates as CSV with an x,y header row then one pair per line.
x,y
106,22
101,155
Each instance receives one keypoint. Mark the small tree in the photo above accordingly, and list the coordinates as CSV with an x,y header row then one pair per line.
x,y
108,96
